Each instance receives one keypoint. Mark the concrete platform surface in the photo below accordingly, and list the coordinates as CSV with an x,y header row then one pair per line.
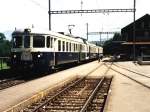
x,y
16,94
126,95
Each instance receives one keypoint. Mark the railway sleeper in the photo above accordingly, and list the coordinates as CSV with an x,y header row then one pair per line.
x,y
73,101
63,108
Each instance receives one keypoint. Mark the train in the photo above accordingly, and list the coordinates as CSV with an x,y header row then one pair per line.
x,y
47,49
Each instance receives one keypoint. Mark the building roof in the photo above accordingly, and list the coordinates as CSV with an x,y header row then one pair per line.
x,y
146,16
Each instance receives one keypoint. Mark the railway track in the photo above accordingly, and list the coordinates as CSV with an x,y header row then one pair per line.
x,y
9,78
141,74
6,83
137,77
83,94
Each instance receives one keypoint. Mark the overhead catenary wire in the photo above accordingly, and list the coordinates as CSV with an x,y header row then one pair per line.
x,y
38,4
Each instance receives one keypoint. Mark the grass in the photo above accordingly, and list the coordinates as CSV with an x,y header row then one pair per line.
x,y
3,66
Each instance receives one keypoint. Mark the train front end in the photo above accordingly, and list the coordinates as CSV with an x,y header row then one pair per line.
x,y
28,51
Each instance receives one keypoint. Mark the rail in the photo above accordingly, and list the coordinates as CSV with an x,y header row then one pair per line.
x,y
3,62
40,106
91,96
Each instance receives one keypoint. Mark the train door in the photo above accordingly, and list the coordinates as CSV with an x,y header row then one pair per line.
x,y
80,48
89,52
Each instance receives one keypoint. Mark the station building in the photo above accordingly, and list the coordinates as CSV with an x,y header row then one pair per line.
x,y
141,40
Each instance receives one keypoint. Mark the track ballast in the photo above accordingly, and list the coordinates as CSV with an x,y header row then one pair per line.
x,y
85,94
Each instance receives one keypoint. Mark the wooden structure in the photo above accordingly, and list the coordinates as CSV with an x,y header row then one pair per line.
x,y
142,37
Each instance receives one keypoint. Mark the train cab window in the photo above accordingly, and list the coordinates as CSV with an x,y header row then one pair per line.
x,y
48,42
63,46
17,41
38,41
26,41
59,45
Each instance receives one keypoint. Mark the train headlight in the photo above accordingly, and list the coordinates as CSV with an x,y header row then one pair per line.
x,y
14,56
39,55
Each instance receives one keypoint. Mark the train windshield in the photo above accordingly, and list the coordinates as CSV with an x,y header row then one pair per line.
x,y
17,41
38,41
26,41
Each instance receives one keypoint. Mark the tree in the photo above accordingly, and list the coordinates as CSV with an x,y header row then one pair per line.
x,y
2,37
107,47
117,37
5,46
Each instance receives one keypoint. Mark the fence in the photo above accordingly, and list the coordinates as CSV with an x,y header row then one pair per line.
x,y
3,62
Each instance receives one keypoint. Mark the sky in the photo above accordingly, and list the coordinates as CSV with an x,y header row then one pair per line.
x,y
25,13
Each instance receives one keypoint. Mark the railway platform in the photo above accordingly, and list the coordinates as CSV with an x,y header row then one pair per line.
x,y
129,92
17,95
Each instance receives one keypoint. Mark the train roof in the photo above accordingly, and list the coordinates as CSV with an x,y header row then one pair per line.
x,y
52,33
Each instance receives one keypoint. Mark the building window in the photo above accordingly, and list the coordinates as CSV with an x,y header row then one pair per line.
x,y
148,24
146,34
142,25
126,36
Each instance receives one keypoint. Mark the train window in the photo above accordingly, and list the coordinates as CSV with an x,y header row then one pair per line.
x,y
38,41
82,48
66,46
70,46
51,41
26,41
17,41
63,45
59,45
48,42
74,47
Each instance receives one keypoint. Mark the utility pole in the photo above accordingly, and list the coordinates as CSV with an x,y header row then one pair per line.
x,y
81,6
100,39
87,28
134,38
49,12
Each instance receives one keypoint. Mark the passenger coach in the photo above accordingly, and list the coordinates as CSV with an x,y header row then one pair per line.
x,y
32,48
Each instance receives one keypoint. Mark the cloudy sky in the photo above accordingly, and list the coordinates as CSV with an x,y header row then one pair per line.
x,y
24,13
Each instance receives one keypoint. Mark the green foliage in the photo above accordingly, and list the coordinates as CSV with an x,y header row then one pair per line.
x,y
117,37
4,46
107,47
2,37
4,66
113,45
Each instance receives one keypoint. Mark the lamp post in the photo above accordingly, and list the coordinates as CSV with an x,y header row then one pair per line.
x,y
49,12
